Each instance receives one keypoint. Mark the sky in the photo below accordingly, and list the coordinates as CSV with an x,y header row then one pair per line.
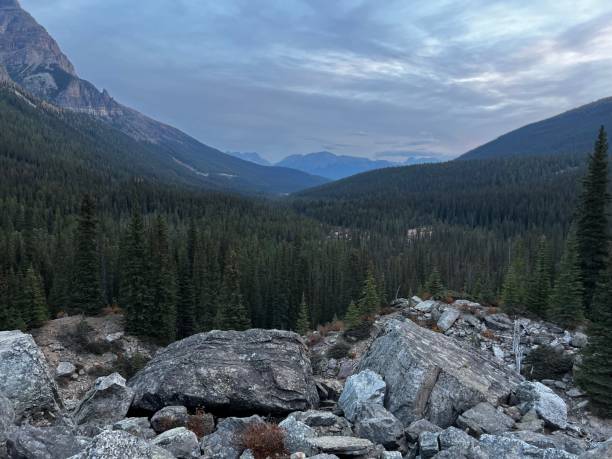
x,y
377,78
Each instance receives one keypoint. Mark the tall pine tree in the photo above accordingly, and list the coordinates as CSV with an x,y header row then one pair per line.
x,y
592,228
303,321
369,303
231,313
566,301
539,285
87,292
513,289
595,376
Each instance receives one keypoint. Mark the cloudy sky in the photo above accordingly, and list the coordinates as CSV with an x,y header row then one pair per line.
x,y
363,77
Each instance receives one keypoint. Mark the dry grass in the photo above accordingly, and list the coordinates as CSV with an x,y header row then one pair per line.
x,y
201,423
265,440
489,334
112,310
335,326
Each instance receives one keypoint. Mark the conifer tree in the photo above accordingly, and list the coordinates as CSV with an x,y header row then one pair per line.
x,y
539,285
87,291
303,321
566,301
513,289
232,314
136,276
185,310
353,315
162,317
434,285
32,300
369,303
595,376
592,227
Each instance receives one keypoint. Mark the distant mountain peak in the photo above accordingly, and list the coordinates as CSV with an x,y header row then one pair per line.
x,y
9,4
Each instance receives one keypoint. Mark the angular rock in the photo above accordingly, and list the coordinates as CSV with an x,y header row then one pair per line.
x,y
415,300
224,442
428,444
425,306
65,370
549,406
28,442
600,451
530,422
374,422
180,442
324,423
139,427
296,436
364,387
579,339
499,322
329,389
392,455
117,444
432,376
169,417
448,318
107,402
262,371
453,437
499,447
484,418
248,454
417,427
343,446
24,375
560,442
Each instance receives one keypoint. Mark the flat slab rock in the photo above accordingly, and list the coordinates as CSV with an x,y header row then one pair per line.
x,y
432,376
255,371
348,446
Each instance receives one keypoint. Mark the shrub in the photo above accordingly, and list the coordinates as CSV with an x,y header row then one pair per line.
x,y
339,350
359,332
265,440
335,326
545,362
129,366
201,423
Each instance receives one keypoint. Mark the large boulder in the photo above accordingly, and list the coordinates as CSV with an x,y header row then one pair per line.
x,y
25,378
139,427
297,434
107,402
374,422
225,443
256,371
169,417
485,418
117,444
28,442
498,447
549,406
364,387
342,446
324,423
432,376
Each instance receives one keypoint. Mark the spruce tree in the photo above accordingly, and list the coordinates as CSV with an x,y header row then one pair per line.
x,y
162,317
32,300
369,303
136,276
566,301
539,285
185,310
87,292
231,313
592,228
513,289
595,375
303,321
434,285
353,315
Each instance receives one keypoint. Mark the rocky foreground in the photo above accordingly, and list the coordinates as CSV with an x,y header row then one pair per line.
x,y
428,380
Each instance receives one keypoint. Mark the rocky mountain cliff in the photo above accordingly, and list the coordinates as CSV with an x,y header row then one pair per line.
x,y
34,60
426,380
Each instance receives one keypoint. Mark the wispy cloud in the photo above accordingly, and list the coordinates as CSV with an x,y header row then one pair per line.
x,y
362,76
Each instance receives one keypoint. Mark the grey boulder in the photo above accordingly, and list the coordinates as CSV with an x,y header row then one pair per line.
x,y
499,447
485,418
324,423
28,442
342,446
107,402
169,417
297,434
139,427
25,378
374,422
417,427
428,444
364,387
182,443
116,444
549,406
448,318
65,370
432,376
7,416
452,437
225,443
255,371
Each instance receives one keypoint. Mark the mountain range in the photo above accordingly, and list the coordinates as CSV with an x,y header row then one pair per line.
x,y
31,58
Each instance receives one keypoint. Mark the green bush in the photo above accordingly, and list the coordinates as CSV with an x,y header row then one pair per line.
x,y
545,362
359,332
339,350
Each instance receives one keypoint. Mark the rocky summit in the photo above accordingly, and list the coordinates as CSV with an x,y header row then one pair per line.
x,y
409,392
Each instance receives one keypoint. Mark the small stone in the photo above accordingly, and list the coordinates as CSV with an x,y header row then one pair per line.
x,y
484,418
64,369
180,442
417,427
579,340
428,444
574,393
169,417
349,446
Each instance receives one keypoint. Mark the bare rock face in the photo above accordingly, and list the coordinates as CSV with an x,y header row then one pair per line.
x,y
25,378
431,376
44,442
121,445
256,371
